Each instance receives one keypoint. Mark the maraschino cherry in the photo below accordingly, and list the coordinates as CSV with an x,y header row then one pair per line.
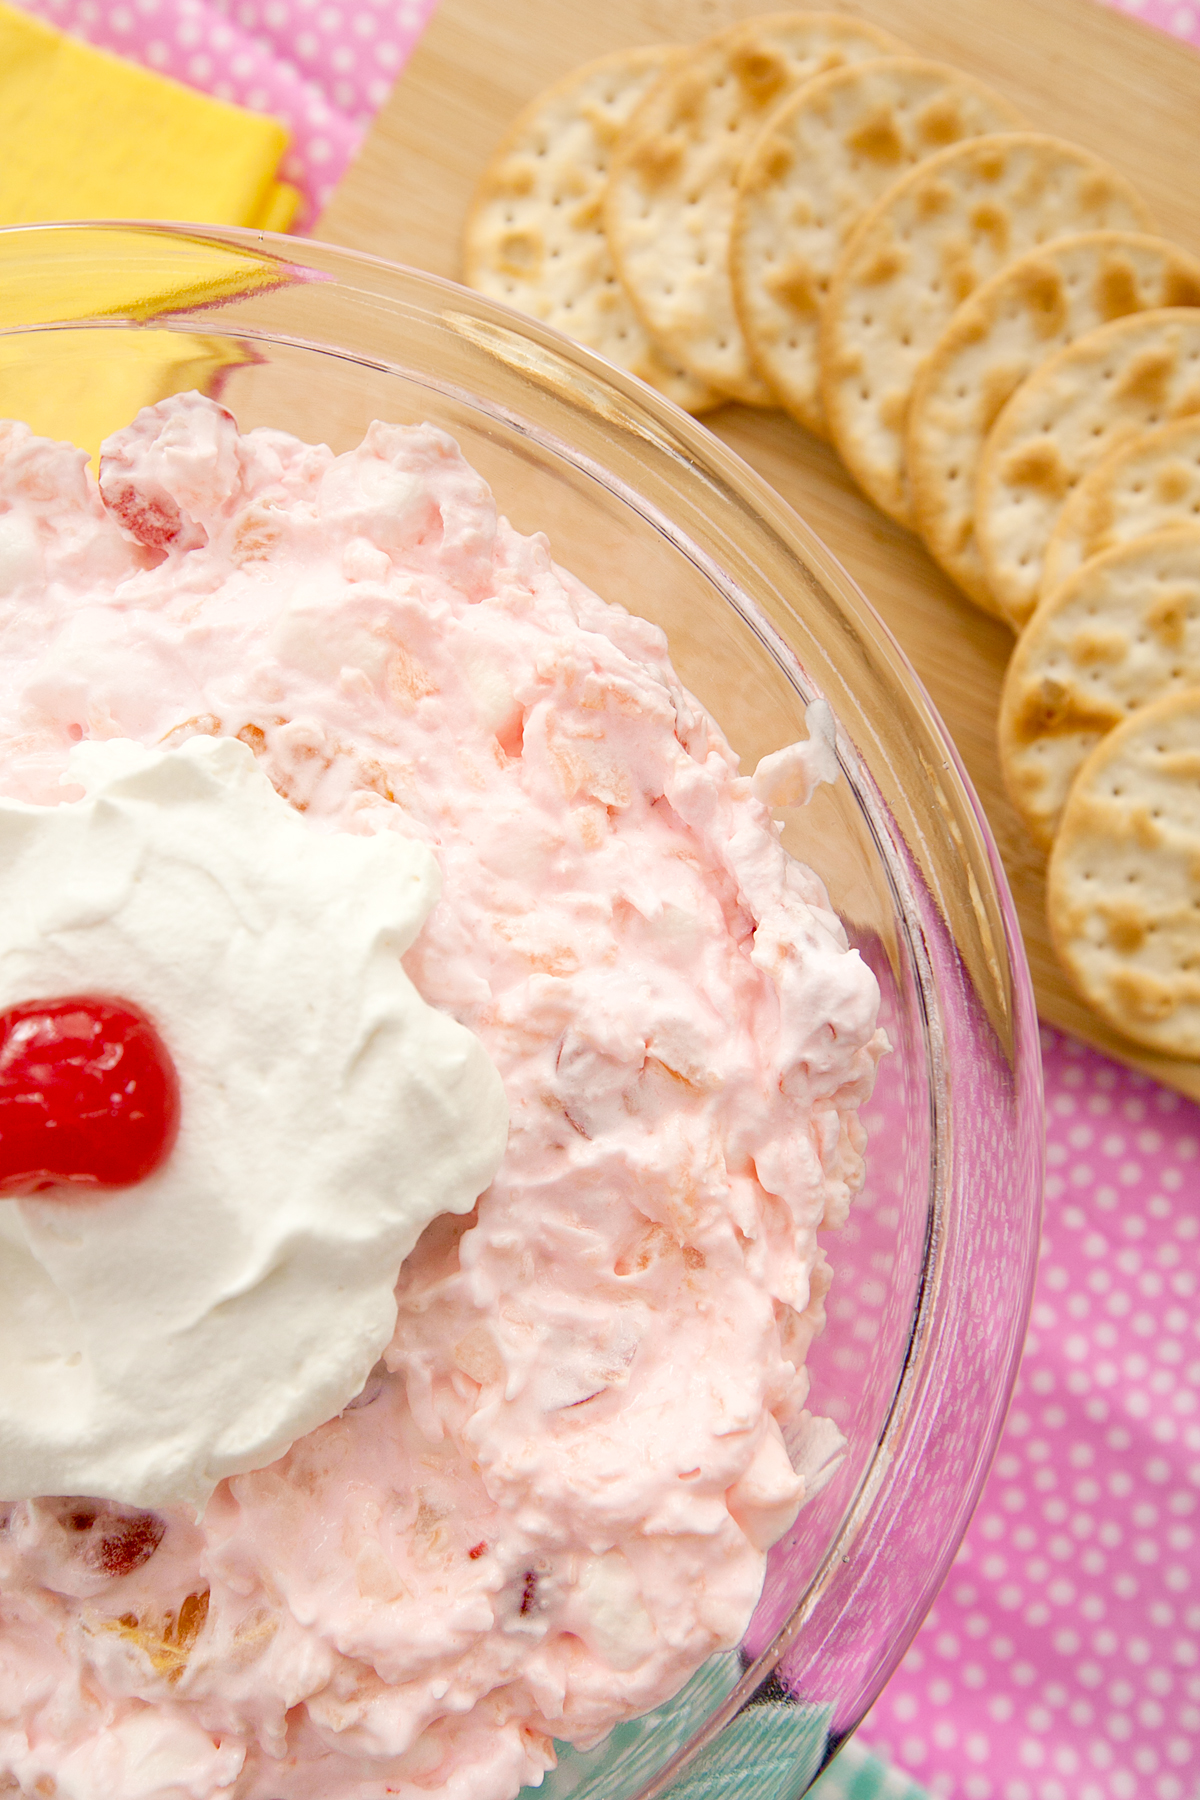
x,y
89,1096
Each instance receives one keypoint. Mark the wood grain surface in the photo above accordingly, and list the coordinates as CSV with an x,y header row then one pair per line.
x,y
1072,66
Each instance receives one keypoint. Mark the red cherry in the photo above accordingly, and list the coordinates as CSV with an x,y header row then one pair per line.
x,y
89,1095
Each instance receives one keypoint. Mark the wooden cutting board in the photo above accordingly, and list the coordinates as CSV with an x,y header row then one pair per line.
x,y
1073,67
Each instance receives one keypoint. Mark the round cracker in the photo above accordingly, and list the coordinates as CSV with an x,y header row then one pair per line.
x,y
1146,485
535,236
933,238
673,181
994,342
822,159
1124,881
1083,402
1123,630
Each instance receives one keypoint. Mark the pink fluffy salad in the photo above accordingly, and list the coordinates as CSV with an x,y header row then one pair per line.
x,y
553,1499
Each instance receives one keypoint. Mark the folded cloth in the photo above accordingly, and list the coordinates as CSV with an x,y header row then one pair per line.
x,y
85,135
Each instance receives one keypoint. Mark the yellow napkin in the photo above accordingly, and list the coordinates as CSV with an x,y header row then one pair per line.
x,y
85,135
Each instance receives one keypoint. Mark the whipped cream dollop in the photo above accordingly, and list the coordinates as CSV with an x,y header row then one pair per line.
x,y
159,1337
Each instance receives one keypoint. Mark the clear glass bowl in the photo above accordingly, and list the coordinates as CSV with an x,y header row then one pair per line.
x,y
934,1273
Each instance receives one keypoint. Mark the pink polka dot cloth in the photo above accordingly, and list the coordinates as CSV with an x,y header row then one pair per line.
x,y
1062,1659
322,67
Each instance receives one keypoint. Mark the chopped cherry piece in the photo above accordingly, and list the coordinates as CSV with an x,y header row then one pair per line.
x,y
89,1096
105,1536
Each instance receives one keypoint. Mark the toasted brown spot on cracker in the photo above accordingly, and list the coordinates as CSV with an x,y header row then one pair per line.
x,y
775,160
1052,709
1182,289
992,222
519,252
935,198
893,408
761,74
1126,926
691,91
1182,765
940,122
958,271
1096,191
1147,376
1041,467
1168,616
794,287
1093,645
1144,995
1116,288
1043,294
877,138
657,160
1171,483
990,164
890,262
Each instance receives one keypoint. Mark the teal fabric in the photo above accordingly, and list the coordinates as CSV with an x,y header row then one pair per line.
x,y
632,1753
855,1774
769,1751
